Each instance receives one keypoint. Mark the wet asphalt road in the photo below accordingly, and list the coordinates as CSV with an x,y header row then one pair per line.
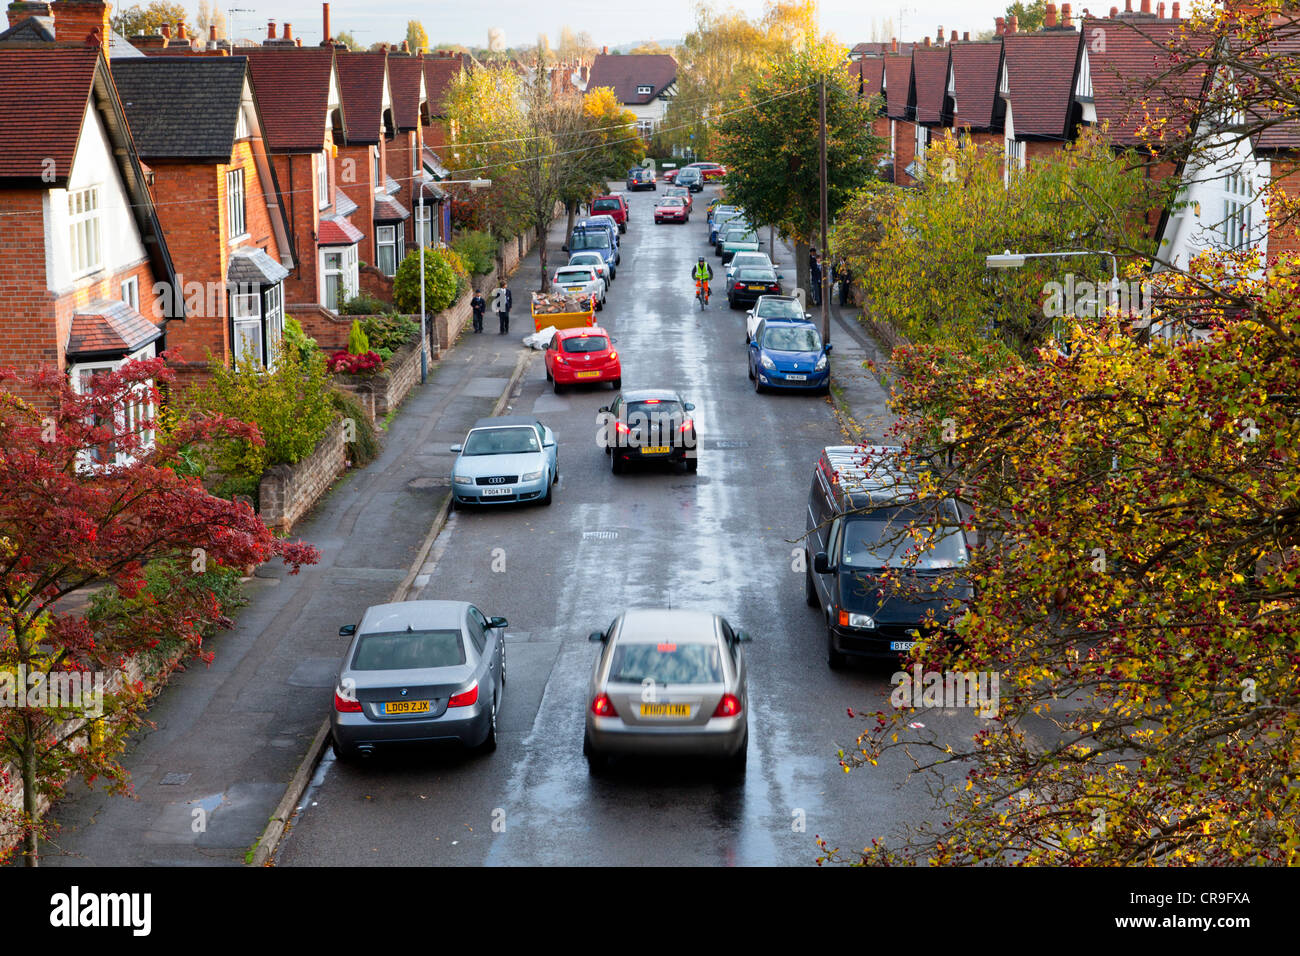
x,y
721,539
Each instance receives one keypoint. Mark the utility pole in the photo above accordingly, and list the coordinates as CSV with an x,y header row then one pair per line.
x,y
824,291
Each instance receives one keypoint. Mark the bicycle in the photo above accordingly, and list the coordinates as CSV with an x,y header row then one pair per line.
x,y
702,292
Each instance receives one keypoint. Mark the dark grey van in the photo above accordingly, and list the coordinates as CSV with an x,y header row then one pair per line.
x,y
859,522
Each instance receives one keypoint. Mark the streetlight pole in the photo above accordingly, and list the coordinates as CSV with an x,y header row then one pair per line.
x,y
824,291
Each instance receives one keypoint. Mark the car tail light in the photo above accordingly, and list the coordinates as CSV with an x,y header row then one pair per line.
x,y
687,425
622,429
613,355
729,706
465,698
602,706
736,285
346,705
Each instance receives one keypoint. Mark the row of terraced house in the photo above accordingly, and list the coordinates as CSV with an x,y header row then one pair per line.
x,y
1031,93
162,193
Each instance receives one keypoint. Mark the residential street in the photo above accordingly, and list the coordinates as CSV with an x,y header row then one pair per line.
x,y
721,539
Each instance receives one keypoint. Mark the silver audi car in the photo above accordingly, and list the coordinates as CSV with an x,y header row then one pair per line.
x,y
669,682
505,459
419,672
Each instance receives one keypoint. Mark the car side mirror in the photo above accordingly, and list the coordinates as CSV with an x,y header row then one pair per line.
x,y
564,247
458,448
807,315
549,443
603,408
743,637
821,564
347,630
596,637
829,346
689,406
498,622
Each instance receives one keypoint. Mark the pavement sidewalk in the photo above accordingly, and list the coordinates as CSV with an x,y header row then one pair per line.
x,y
228,738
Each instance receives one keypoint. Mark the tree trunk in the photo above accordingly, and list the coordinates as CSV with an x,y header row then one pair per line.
x,y
30,854
572,208
541,254
802,279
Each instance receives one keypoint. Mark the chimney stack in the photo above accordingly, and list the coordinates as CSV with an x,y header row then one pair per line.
x,y
1146,7
938,36
212,36
20,11
75,21
1160,9
1174,9
1001,26
927,41
287,33
893,45
1128,6
953,38
1049,16
325,25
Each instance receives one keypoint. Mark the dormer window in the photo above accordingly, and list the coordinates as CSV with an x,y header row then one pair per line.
x,y
644,90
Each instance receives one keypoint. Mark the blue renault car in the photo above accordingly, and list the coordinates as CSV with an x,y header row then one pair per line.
x,y
789,354
595,238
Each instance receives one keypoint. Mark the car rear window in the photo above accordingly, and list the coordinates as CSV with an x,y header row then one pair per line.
x,y
595,239
408,650
666,663
586,343
502,441
606,204
573,275
756,275
780,309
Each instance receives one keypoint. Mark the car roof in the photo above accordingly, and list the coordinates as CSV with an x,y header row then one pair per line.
x,y
581,331
676,625
778,320
416,615
642,394
863,472
503,420
775,297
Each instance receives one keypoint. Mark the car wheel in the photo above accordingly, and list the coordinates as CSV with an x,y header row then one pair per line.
x,y
749,370
617,383
615,463
503,663
556,387
622,227
490,742
596,762
613,273
758,386
731,303
600,305
549,376
737,761
546,498
692,464
809,588
834,659
343,754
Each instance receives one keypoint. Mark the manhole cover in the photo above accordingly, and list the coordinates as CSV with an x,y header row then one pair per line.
x,y
599,535
174,779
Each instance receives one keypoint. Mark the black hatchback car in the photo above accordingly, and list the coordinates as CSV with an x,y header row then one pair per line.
x,y
860,523
649,424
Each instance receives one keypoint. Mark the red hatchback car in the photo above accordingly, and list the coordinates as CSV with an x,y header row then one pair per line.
x,y
671,209
581,355
711,171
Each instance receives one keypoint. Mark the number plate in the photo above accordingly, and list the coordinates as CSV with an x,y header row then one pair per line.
x,y
406,707
574,288
671,711
756,288
797,378
497,492
655,450
586,375
901,645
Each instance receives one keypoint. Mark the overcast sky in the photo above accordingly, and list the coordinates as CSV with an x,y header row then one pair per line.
x,y
610,22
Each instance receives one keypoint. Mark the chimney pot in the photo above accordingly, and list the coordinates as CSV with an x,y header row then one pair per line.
x,y
1114,12
953,38
212,32
605,50
1174,10
1001,26
181,33
1128,6
288,32
1049,16
297,41
325,17
1146,6
270,29
927,41
965,35
893,45
1160,9
1067,19
1013,23
166,31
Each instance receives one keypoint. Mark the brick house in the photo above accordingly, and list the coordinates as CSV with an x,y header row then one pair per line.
x,y
645,83
440,69
902,136
925,93
868,73
88,281
971,105
1047,89
196,123
405,148
303,116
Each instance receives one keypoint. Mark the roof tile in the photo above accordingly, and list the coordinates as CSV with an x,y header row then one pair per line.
x,y
292,86
628,71
1040,72
43,99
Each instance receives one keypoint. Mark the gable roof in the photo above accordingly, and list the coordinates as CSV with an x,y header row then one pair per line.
x,y
626,72
975,70
898,74
879,48
182,107
30,30
1282,54
59,79
1041,70
363,79
439,71
926,85
405,76
293,86
871,71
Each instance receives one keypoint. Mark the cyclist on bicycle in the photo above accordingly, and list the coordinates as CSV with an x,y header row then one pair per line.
x,y
702,273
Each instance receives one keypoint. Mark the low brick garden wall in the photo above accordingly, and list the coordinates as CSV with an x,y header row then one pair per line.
x,y
380,394
287,492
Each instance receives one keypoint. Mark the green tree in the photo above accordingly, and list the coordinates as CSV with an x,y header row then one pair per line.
x,y
484,110
349,41
769,145
416,37
1029,16
439,283
137,20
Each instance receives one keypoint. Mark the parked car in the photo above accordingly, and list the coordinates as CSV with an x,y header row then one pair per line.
x,y
716,208
668,682
593,259
607,223
580,281
860,521
722,219
641,178
743,239
614,206
746,285
649,424
709,171
773,307
671,209
752,260
669,175
506,459
594,240
683,193
691,178
789,354
419,672
576,356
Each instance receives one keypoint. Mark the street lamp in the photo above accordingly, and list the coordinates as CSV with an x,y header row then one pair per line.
x,y
1014,260
474,184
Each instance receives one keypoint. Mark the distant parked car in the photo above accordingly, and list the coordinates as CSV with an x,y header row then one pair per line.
x,y
419,672
583,355
613,205
671,209
683,193
789,354
669,175
593,259
505,459
580,281
641,179
743,239
691,178
710,171
747,284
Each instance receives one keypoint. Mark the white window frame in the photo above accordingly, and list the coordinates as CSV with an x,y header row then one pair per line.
x,y
273,320
323,178
375,170
88,459
131,292
1014,159
241,125
85,248
236,206
387,237
922,141
246,323
643,90
424,224
346,271
1237,226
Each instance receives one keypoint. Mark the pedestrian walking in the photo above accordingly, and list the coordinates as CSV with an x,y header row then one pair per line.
x,y
844,278
479,305
815,276
501,302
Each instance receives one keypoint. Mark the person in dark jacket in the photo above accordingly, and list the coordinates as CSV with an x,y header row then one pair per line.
x,y
815,277
501,301
479,305
843,277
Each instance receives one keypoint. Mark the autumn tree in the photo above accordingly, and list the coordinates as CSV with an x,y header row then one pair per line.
x,y
485,110
136,20
416,37
349,41
1030,17
210,15
87,501
769,145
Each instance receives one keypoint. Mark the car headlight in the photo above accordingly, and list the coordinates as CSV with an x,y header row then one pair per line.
x,y
822,362
766,362
864,621
532,476
462,479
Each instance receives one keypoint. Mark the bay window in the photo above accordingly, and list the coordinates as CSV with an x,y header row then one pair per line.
x,y
339,268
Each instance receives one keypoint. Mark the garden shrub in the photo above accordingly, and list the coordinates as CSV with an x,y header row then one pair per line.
x,y
358,343
388,333
363,304
365,448
440,287
478,250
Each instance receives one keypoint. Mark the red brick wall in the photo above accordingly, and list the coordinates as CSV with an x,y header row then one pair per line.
x,y
355,167
1284,237
402,154
904,151
296,175
1038,149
